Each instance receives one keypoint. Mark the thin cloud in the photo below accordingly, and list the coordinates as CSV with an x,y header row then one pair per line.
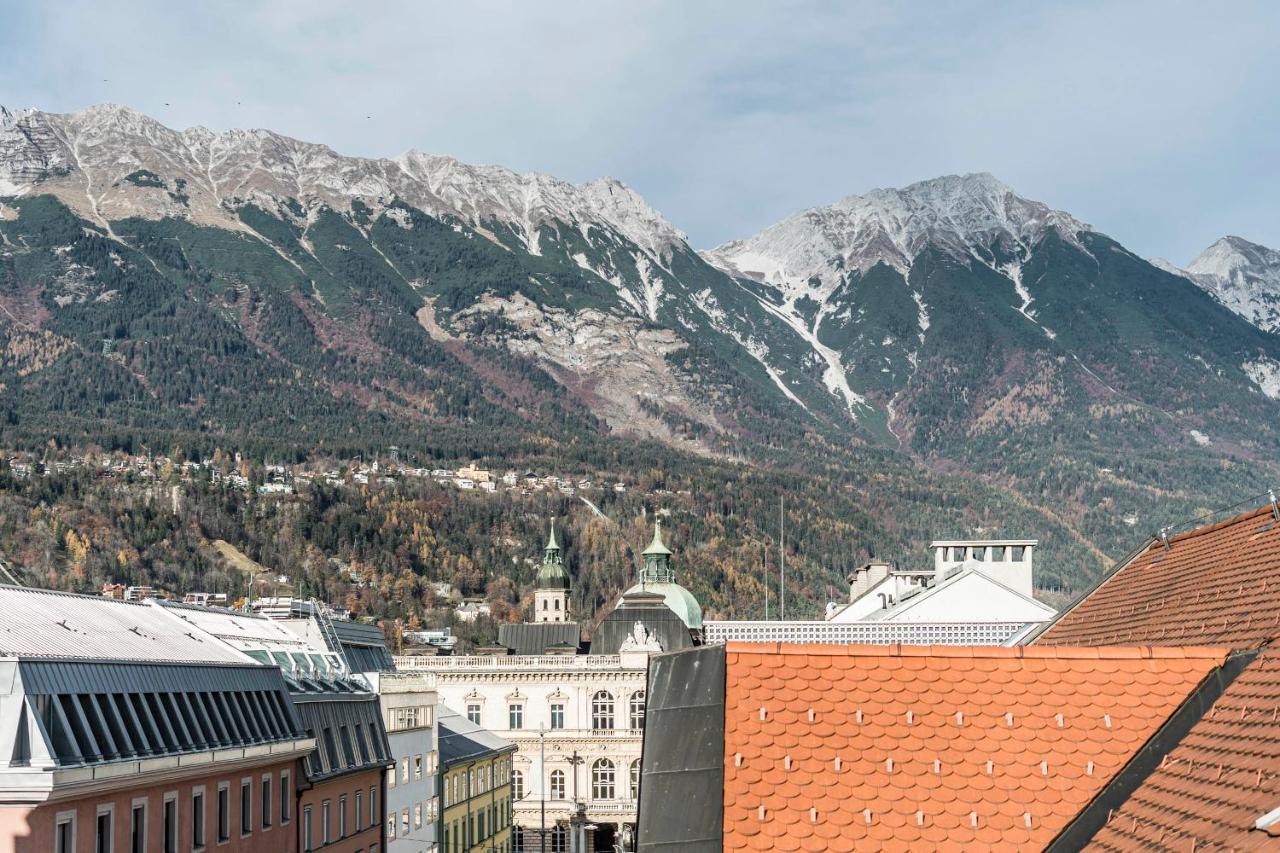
x,y
1157,122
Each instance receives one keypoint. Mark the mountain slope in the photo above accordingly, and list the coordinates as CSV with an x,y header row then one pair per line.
x,y
248,290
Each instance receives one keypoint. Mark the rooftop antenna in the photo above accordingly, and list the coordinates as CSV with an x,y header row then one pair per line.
x,y
1164,537
1275,508
782,557
765,564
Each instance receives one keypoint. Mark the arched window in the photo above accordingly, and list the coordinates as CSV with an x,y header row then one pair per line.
x,y
635,779
637,710
557,784
517,840
602,780
517,785
602,711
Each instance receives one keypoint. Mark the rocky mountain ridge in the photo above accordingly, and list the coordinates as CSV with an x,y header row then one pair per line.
x,y
245,284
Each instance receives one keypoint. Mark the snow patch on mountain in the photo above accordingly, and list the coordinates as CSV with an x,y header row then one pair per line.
x,y
1265,373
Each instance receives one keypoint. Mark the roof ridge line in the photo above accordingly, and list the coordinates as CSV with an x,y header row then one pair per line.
x,y
1082,652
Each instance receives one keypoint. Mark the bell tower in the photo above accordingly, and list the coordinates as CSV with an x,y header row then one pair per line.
x,y
551,598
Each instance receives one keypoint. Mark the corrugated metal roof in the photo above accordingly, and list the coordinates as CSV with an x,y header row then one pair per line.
x,y
242,630
534,638
41,623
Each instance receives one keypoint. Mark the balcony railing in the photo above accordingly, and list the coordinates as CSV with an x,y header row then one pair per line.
x,y
445,663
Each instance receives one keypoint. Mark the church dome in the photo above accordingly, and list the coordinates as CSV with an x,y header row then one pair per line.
x,y
659,577
552,574
678,599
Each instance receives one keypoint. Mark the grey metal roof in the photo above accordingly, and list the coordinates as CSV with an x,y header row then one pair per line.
x,y
649,609
98,712
40,623
534,638
364,646
682,760
461,741
349,733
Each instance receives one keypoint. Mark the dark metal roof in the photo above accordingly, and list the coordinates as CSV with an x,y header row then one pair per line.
x,y
649,609
108,711
349,733
682,762
534,638
461,740
364,647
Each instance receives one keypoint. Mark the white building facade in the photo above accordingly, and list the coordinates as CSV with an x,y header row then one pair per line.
x,y
578,724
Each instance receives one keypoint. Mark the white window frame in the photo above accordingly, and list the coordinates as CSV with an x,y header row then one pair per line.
x,y
515,716
199,790
359,810
171,797
308,834
373,806
286,798
220,837
557,706
145,804
108,809
474,706
265,786
67,817
342,816
246,820
326,834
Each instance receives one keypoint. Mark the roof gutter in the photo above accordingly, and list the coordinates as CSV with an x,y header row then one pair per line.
x,y
1116,793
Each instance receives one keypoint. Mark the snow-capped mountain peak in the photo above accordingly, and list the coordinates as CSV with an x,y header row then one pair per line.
x,y
1242,275
87,158
962,214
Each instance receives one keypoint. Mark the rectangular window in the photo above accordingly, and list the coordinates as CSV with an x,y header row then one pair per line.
x,y
342,816
138,827
64,833
307,839
171,822
417,767
286,797
373,807
473,714
224,812
266,802
404,822
391,777
103,835
417,816
197,818
515,716
324,822
246,806
557,715
359,810
391,827
404,769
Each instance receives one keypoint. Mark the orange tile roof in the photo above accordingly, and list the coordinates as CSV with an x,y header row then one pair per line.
x,y
1219,584
1213,786
944,748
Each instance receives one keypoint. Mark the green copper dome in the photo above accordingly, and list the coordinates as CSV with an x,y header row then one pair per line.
x,y
658,577
552,574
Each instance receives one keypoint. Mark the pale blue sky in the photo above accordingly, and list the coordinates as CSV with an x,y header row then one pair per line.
x,y
1159,122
